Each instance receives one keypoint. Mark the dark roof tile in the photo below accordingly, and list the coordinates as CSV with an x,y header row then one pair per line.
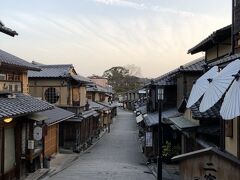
x,y
216,36
21,105
213,112
9,59
56,115
225,60
170,77
51,71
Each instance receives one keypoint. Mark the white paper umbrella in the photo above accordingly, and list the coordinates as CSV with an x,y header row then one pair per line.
x,y
201,85
231,104
219,85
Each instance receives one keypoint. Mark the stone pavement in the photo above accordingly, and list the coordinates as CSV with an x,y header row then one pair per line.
x,y
60,161
169,172
116,156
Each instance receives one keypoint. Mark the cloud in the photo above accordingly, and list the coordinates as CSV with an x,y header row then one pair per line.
x,y
143,6
156,41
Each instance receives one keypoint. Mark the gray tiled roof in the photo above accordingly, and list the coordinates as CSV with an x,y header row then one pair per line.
x,y
96,88
9,59
217,35
83,115
56,115
167,79
213,112
81,78
224,60
112,105
51,71
96,106
152,118
142,109
196,65
7,30
183,123
57,71
89,113
170,77
21,105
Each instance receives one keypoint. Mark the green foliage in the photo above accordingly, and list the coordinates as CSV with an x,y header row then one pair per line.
x,y
170,150
120,78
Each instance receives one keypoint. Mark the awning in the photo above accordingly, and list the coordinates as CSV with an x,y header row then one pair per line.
x,y
53,116
86,114
173,127
151,119
37,117
96,115
139,118
183,123
75,119
142,109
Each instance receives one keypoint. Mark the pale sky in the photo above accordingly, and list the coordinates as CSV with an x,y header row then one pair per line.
x,y
95,35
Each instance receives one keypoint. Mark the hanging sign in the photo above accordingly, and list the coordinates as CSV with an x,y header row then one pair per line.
x,y
148,139
30,144
37,133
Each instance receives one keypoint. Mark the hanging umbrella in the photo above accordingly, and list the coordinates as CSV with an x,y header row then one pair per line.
x,y
201,85
219,85
231,104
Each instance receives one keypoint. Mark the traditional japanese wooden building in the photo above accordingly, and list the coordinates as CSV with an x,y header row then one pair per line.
x,y
50,120
175,122
131,97
78,132
221,48
63,87
18,145
101,96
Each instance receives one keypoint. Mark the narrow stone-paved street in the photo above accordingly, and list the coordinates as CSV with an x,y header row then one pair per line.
x,y
116,157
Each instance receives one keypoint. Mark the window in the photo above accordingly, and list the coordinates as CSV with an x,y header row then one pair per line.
x,y
16,88
10,77
51,95
10,87
16,77
2,76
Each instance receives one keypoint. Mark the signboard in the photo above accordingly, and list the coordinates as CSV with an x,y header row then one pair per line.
x,y
37,133
139,118
148,139
30,144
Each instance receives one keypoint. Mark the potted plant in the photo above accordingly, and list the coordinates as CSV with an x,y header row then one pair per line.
x,y
169,150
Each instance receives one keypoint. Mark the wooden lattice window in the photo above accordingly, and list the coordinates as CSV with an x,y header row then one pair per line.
x,y
51,95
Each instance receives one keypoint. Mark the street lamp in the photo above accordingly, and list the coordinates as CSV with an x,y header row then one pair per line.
x,y
160,97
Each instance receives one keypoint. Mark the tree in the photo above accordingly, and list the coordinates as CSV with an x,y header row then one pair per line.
x,y
123,79
133,70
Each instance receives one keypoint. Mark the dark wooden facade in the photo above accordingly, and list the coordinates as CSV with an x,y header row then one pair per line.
x,y
77,134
